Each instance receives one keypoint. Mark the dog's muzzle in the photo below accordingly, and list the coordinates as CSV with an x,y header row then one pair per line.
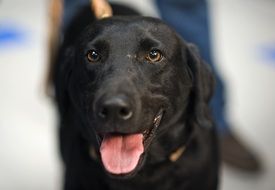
x,y
122,153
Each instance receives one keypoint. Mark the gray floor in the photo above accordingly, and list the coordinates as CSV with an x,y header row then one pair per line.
x,y
244,43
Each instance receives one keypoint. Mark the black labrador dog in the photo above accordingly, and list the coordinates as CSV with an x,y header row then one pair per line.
x,y
133,104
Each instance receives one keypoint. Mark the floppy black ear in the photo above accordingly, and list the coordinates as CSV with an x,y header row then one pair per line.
x,y
203,86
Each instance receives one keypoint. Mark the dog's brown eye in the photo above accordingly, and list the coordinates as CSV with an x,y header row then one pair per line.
x,y
154,56
93,56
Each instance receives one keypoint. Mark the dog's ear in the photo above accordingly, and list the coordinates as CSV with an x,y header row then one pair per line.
x,y
203,86
62,72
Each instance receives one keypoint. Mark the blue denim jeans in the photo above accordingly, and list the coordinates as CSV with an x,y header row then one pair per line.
x,y
70,9
191,20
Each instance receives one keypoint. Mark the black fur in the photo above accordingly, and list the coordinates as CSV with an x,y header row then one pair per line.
x,y
180,84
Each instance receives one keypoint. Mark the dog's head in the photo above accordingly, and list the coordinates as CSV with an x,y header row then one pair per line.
x,y
130,79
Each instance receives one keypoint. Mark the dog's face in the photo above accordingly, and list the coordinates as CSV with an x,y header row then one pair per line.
x,y
130,80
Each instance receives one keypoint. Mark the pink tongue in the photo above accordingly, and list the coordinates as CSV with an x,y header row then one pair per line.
x,y
120,153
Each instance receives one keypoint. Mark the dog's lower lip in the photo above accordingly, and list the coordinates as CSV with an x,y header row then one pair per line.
x,y
99,138
148,134
145,132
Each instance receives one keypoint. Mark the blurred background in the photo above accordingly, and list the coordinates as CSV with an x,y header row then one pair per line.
x,y
244,48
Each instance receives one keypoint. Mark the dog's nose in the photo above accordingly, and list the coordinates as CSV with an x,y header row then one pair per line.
x,y
114,108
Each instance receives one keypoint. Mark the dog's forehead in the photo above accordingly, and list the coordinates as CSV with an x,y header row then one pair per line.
x,y
135,23
133,28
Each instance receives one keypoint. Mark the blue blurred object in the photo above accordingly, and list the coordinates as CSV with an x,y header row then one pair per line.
x,y
11,35
268,53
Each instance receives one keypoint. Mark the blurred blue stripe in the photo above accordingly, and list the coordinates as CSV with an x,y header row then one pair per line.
x,y
267,53
11,35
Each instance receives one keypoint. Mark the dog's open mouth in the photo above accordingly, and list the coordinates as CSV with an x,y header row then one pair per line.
x,y
122,153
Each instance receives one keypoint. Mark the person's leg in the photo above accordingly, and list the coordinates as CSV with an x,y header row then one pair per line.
x,y
190,19
70,9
